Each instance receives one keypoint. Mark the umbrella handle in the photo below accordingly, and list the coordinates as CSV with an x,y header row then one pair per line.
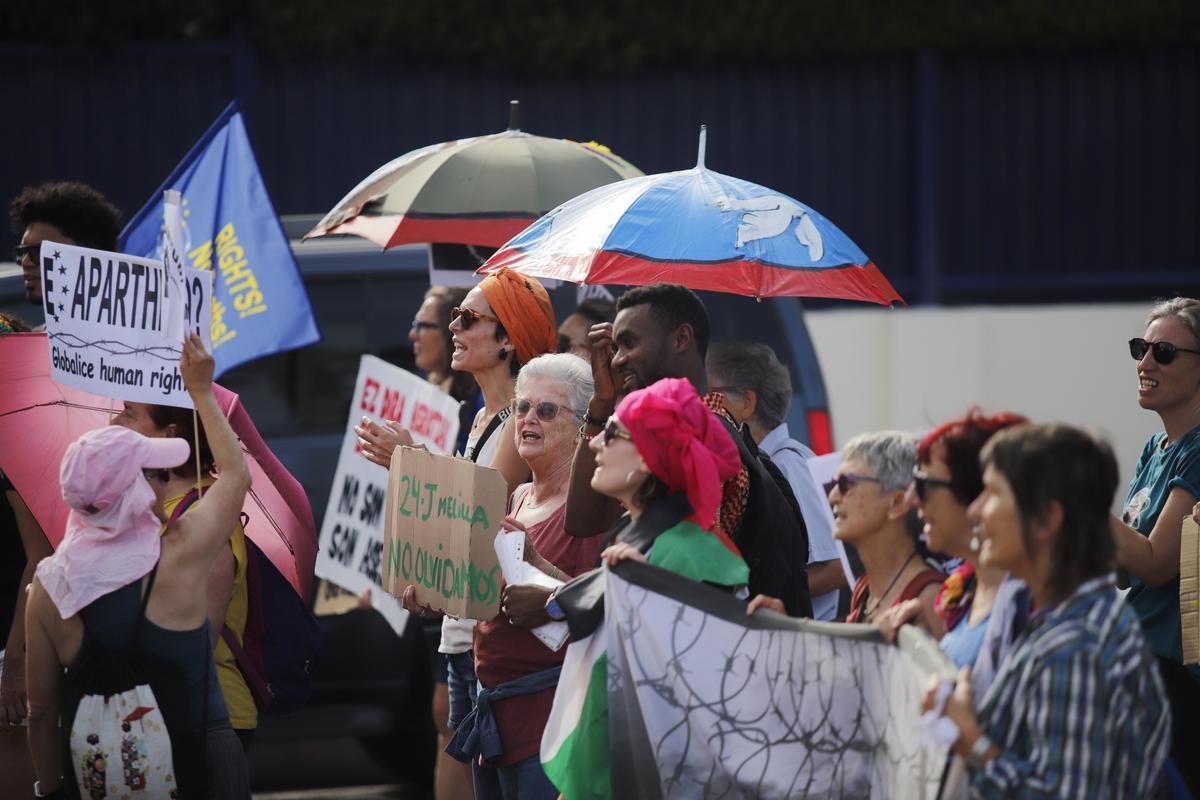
x,y
512,115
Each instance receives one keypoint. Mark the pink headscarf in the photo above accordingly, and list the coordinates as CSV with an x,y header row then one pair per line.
x,y
682,442
112,536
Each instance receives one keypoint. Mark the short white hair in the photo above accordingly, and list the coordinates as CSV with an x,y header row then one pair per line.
x,y
891,455
572,373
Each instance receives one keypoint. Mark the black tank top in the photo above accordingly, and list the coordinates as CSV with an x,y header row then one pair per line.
x,y
109,620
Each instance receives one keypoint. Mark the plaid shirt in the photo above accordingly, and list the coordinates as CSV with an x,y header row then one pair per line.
x,y
736,491
1077,707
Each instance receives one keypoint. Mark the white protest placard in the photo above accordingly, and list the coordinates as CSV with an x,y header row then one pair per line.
x,y
510,551
350,547
107,319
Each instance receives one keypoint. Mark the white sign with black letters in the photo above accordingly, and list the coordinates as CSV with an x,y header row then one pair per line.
x,y
350,547
108,320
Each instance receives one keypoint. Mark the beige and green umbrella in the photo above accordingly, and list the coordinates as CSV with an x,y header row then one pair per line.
x,y
479,191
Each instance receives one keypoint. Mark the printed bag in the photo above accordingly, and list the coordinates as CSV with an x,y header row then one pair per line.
x,y
127,728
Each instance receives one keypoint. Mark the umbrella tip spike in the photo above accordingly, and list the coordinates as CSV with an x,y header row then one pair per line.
x,y
703,145
513,106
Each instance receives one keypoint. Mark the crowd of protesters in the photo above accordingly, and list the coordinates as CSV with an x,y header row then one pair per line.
x,y
621,434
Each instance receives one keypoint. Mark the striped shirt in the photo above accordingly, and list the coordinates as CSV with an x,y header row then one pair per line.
x,y
1077,708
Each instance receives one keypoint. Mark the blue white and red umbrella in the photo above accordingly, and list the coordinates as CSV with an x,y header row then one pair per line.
x,y
700,228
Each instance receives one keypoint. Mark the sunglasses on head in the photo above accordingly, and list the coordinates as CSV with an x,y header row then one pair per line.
x,y
613,430
469,316
1164,352
922,482
844,481
22,250
546,411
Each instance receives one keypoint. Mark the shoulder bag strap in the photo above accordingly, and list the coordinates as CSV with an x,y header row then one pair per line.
x,y
496,422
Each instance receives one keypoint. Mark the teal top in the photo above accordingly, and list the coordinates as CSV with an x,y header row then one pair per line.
x,y
1159,470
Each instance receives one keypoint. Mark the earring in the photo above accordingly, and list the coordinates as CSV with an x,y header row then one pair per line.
x,y
629,478
503,354
976,530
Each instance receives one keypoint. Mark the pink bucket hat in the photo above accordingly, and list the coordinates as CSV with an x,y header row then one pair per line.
x,y
113,533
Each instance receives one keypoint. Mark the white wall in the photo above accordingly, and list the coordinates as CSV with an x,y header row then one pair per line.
x,y
913,369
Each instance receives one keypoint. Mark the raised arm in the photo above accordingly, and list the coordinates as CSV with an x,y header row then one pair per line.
x,y
588,511
1154,559
208,524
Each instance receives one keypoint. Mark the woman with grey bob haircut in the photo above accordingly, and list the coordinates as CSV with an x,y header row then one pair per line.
x,y
518,673
1165,487
872,511
575,375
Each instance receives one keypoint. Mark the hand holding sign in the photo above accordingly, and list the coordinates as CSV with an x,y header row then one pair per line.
x,y
378,442
409,601
196,365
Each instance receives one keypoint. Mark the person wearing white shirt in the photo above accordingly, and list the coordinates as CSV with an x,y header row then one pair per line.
x,y
758,392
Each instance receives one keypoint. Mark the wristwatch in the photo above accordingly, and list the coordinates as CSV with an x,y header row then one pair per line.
x,y
554,610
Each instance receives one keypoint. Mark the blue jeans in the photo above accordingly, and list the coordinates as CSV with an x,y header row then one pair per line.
x,y
460,676
525,780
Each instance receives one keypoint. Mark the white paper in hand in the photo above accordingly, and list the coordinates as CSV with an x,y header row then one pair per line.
x,y
510,550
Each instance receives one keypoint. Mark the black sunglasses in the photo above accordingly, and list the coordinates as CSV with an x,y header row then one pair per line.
x,y
418,325
845,481
1164,352
613,431
546,411
469,316
922,482
22,250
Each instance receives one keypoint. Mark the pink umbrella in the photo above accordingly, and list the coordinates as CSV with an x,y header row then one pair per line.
x,y
40,418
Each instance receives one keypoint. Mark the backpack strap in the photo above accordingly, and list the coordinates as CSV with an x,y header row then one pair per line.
x,y
255,680
183,505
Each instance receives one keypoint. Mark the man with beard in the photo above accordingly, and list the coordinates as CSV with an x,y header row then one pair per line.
x,y
662,331
63,213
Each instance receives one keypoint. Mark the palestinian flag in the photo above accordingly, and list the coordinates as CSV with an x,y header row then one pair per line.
x,y
575,744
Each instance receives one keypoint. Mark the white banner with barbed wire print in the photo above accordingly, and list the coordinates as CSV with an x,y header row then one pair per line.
x,y
350,546
707,702
107,321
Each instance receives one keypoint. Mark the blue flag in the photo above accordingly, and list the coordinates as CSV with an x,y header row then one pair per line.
x,y
260,305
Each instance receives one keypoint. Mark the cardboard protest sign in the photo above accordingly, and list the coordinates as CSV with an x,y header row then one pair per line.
x,y
443,514
1189,590
351,542
107,319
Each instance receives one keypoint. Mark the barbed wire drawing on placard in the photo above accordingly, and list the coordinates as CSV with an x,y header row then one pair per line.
x,y
732,711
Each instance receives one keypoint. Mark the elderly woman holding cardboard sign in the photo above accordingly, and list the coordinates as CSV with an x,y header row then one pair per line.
x,y
517,671
504,322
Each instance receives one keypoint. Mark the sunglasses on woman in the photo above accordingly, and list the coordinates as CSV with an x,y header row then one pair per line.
x,y
546,411
922,482
420,325
845,481
613,430
469,316
1164,352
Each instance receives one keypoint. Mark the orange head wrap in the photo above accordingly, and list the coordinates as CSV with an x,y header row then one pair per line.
x,y
524,309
